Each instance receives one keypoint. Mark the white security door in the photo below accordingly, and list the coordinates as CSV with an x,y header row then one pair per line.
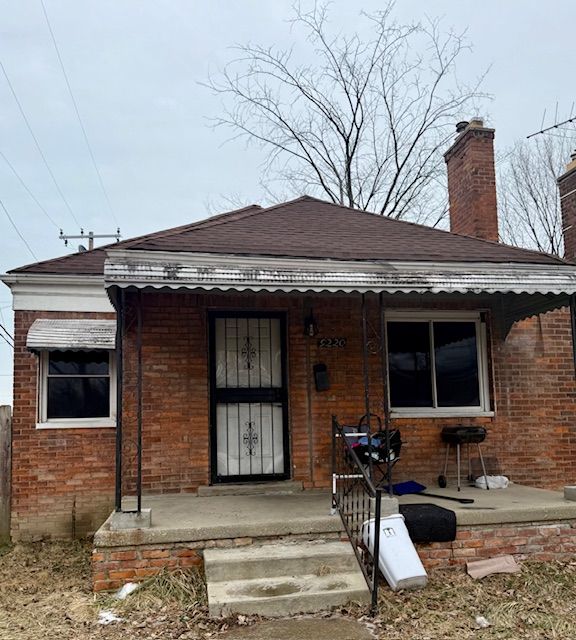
x,y
248,398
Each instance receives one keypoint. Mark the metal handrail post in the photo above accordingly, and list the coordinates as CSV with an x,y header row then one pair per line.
x,y
366,380
334,432
385,391
376,555
119,390
139,374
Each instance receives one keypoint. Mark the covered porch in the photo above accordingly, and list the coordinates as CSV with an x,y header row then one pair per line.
x,y
321,339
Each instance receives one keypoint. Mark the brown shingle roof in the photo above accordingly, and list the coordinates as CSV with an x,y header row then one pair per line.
x,y
306,228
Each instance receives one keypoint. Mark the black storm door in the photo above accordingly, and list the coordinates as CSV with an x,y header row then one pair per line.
x,y
248,397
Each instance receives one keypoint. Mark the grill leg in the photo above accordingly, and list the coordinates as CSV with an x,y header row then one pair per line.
x,y
446,459
483,467
458,463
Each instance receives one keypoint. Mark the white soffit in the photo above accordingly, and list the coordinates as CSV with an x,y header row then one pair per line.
x,y
208,271
61,334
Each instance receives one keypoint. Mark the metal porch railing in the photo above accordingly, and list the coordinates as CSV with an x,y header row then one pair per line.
x,y
358,501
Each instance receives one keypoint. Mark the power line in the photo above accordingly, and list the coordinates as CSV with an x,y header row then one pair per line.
x,y
28,190
6,341
17,230
101,182
23,113
2,328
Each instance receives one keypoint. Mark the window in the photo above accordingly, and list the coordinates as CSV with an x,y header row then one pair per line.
x,y
76,389
437,364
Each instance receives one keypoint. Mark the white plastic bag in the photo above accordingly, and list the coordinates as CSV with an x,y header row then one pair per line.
x,y
107,617
126,590
494,482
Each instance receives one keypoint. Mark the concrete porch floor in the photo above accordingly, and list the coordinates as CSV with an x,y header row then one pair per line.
x,y
516,503
185,517
190,518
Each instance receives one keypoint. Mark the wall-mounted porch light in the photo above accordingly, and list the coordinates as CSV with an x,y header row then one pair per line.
x,y
310,326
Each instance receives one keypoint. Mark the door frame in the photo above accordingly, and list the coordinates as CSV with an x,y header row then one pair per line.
x,y
243,313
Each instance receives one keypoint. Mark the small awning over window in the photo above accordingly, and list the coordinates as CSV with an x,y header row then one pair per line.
x,y
50,335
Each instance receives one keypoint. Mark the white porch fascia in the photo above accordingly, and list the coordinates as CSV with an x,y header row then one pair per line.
x,y
173,270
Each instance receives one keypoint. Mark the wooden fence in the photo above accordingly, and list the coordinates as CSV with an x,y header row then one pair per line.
x,y
5,471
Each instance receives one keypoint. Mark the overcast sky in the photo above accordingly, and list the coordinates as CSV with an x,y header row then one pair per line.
x,y
135,68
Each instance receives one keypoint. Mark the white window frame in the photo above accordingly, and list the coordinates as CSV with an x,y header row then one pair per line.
x,y
481,410
72,423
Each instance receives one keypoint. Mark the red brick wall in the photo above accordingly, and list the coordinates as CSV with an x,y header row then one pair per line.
x,y
472,184
62,479
567,188
534,432
532,436
111,567
539,542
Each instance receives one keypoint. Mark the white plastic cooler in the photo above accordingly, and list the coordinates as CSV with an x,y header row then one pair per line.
x,y
397,558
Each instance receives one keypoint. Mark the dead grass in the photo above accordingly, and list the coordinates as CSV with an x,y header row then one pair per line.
x,y
538,603
45,593
184,589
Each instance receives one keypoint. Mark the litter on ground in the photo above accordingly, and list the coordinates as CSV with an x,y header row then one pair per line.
x,y
501,564
126,590
107,617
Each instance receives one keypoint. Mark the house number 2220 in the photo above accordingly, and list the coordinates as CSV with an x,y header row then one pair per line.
x,y
331,343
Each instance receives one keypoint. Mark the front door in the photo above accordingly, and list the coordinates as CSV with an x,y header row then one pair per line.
x,y
248,397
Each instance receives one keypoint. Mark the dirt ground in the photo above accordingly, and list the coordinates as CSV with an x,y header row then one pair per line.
x,y
45,594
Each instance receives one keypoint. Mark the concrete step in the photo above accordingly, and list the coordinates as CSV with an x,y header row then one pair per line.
x,y
288,595
254,488
273,560
283,579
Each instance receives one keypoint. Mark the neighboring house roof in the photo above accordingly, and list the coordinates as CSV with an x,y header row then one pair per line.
x,y
305,228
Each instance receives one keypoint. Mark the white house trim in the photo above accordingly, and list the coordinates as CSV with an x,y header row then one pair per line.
x,y
160,269
57,292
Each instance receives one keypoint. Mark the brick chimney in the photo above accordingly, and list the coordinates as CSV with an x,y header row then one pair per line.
x,y
472,181
567,186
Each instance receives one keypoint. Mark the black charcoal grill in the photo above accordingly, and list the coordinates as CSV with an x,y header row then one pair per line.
x,y
457,436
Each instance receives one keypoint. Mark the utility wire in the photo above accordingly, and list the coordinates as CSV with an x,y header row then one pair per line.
x,y
13,169
101,182
2,323
6,332
17,230
24,116
6,341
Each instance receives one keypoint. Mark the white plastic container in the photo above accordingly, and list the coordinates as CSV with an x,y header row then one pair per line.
x,y
397,558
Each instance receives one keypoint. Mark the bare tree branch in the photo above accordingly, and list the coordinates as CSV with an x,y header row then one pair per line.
x,y
528,194
365,123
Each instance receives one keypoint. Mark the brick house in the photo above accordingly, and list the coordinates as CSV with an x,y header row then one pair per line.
x,y
218,351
